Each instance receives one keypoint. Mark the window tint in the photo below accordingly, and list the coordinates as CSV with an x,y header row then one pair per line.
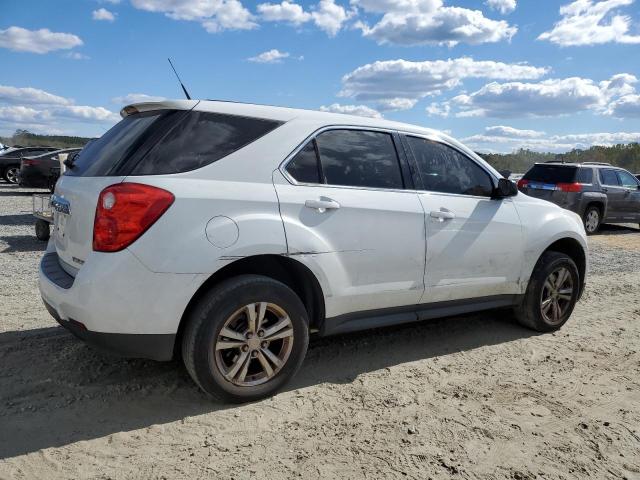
x,y
585,175
608,177
444,169
201,138
304,166
359,158
627,180
552,173
99,158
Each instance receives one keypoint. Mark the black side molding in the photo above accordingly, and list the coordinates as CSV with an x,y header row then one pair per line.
x,y
352,322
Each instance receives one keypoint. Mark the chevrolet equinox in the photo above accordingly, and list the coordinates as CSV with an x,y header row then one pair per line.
x,y
226,233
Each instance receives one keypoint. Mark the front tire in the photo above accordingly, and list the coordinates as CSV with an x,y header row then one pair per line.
x,y
592,219
245,339
551,294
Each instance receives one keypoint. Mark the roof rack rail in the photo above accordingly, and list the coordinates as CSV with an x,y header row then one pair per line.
x,y
596,163
554,161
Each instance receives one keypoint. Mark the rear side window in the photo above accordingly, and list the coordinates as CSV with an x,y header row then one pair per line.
x,y
585,175
201,138
446,170
552,174
304,166
608,177
359,158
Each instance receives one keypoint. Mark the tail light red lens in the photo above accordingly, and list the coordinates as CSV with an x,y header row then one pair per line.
x,y
29,162
569,187
124,212
522,183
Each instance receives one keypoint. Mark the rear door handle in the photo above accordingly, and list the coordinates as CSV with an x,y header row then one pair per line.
x,y
605,190
322,205
442,215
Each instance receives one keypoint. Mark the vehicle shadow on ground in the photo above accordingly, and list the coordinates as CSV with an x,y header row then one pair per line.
x,y
18,219
55,390
21,243
614,229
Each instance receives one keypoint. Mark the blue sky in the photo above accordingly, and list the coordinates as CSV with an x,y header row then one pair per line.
x,y
498,74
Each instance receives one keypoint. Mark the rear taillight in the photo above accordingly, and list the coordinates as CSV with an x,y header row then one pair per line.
x,y
522,183
29,162
569,187
124,212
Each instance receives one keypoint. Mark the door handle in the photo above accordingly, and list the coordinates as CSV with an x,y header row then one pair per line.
x,y
322,205
605,190
442,215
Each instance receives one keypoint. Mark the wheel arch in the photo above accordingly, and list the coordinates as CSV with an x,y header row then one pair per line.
x,y
291,272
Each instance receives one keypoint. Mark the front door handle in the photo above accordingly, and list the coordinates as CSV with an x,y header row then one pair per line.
x,y
442,215
322,205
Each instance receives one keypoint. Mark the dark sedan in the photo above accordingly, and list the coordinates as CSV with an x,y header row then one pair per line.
x,y
42,171
11,158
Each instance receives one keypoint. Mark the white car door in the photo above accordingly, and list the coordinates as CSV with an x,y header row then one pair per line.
x,y
350,220
474,242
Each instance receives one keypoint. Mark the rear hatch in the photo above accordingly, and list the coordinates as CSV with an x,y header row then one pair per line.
x,y
552,182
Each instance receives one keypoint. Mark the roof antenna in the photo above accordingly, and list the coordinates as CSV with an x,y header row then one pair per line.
x,y
186,94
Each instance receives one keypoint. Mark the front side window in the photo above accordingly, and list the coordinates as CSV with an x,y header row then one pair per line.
x,y
359,158
446,170
608,177
304,167
627,180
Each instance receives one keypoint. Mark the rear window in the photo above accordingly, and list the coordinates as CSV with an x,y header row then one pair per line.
x,y
168,141
552,174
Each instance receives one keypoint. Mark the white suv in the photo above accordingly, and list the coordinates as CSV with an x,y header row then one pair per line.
x,y
228,232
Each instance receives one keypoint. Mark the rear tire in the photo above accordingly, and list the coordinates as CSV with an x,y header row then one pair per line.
x,y
43,231
266,338
592,219
554,283
11,173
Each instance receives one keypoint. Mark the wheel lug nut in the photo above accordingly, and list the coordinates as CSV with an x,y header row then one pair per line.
x,y
261,333
254,354
249,335
264,344
245,348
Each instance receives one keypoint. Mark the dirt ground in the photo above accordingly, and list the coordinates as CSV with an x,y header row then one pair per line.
x,y
468,397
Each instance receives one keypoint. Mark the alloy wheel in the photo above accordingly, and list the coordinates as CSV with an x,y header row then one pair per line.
x,y
556,297
254,344
12,175
592,220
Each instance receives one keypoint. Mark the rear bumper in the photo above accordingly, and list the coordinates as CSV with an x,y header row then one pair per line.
x,y
115,303
151,346
33,178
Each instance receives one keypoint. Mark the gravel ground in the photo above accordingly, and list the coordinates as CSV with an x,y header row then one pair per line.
x,y
469,397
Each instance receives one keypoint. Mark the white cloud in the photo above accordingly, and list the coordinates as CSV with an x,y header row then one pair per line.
x,y
76,56
136,98
103,14
271,56
585,22
214,15
37,41
503,6
429,22
38,110
30,96
548,98
498,140
391,104
326,15
395,81
360,110
284,12
627,106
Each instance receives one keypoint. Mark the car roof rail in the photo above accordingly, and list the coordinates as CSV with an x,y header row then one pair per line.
x,y
596,163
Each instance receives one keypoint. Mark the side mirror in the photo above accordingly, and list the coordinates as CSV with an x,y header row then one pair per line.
x,y
505,188
505,173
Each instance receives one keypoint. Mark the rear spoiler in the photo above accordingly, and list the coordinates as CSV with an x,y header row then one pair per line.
x,y
165,104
